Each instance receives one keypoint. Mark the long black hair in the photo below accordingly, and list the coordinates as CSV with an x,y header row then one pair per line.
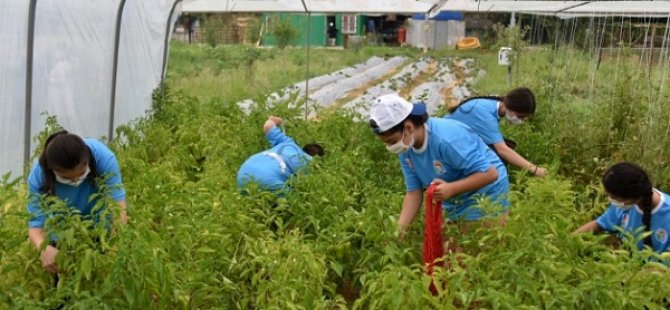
x,y
629,181
64,151
520,100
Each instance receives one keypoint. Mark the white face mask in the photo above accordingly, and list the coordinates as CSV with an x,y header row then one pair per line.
x,y
620,205
400,147
77,182
513,119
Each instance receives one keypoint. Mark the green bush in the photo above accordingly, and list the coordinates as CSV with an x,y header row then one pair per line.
x,y
285,33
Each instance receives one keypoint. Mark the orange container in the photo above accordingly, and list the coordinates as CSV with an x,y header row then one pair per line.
x,y
468,43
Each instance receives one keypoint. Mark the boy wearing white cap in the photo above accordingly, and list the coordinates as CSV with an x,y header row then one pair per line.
x,y
441,151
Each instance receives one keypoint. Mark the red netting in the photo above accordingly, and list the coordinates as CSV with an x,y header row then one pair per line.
x,y
433,247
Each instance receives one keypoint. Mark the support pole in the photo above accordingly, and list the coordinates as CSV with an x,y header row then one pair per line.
x,y
309,36
27,114
166,47
115,66
651,48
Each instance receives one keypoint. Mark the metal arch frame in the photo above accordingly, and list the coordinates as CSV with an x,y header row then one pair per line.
x,y
27,114
27,118
168,26
119,20
30,50
115,65
309,39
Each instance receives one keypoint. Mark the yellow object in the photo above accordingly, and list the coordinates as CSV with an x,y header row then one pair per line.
x,y
468,43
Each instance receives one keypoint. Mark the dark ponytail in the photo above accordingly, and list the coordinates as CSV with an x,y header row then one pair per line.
x,y
646,206
453,109
629,181
64,151
520,100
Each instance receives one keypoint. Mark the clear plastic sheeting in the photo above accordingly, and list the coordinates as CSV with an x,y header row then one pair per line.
x,y
72,64
564,9
204,6
312,6
367,6
141,48
659,9
537,7
74,45
14,38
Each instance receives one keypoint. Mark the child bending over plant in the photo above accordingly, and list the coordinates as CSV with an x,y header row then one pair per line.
x,y
271,168
634,203
483,115
69,168
439,151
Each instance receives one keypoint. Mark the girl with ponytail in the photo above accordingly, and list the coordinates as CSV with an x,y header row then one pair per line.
x,y
483,115
68,168
634,203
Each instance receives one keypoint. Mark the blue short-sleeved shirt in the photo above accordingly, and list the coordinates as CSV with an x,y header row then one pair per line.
x,y
77,197
631,219
273,167
482,116
451,152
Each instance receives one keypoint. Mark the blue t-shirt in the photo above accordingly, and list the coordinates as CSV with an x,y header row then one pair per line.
x,y
482,116
76,197
631,219
273,167
451,152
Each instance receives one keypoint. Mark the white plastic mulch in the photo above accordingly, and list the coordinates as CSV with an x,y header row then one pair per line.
x,y
315,83
392,85
330,93
327,89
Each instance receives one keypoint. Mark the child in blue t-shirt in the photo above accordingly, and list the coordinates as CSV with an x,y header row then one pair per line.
x,y
68,168
483,115
439,151
271,168
634,203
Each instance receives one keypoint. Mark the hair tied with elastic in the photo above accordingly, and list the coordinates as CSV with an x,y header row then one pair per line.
x,y
54,135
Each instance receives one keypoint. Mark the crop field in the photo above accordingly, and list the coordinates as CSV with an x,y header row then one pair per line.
x,y
194,242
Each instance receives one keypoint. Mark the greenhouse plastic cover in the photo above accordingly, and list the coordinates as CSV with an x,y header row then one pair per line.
x,y
565,9
542,7
621,8
14,34
72,74
312,6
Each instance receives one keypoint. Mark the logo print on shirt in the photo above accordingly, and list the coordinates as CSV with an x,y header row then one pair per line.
x,y
624,220
409,163
661,235
439,169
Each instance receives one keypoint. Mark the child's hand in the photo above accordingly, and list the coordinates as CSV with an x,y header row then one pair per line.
x,y
537,171
277,120
402,231
442,191
541,172
48,257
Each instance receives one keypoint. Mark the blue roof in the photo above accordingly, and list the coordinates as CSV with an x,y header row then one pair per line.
x,y
443,15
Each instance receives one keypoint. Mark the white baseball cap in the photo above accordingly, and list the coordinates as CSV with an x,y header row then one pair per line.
x,y
387,111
